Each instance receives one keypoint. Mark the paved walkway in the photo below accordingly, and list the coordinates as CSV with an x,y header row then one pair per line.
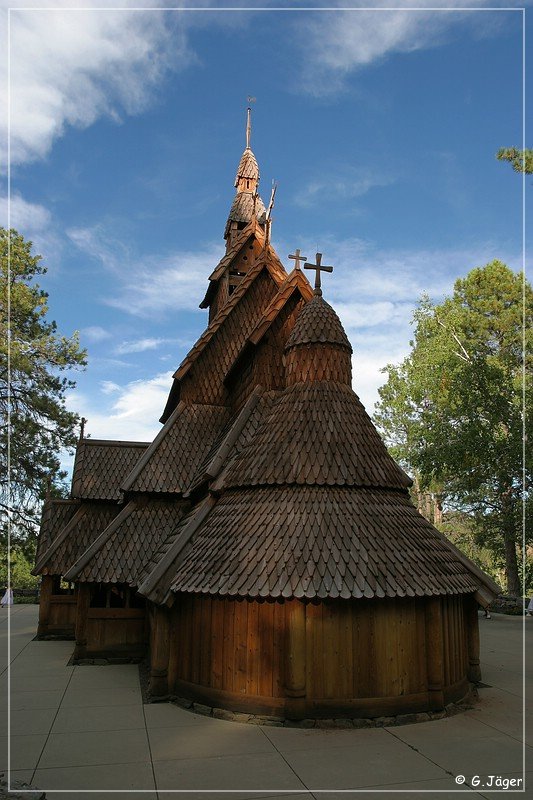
x,y
76,728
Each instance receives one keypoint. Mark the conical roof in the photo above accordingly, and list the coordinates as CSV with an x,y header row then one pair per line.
x,y
318,323
248,167
317,434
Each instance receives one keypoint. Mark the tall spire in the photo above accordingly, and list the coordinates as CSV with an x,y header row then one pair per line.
x,y
248,127
247,203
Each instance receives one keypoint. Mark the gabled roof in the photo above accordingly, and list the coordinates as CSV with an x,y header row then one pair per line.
x,y
55,515
295,281
90,519
101,465
127,544
172,459
267,260
253,229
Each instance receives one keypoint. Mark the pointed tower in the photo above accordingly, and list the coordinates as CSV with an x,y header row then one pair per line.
x,y
247,203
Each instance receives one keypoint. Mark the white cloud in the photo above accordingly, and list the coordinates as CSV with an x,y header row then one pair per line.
x,y
109,387
341,184
335,44
27,218
132,412
94,333
170,282
70,66
138,346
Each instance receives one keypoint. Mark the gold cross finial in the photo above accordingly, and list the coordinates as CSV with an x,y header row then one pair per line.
x,y
297,257
318,267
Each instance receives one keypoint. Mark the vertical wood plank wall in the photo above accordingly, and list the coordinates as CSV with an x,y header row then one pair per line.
x,y
353,649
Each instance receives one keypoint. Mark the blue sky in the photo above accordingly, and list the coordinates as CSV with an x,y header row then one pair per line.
x,y
380,128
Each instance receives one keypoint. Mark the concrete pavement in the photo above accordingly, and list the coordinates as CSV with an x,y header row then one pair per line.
x,y
85,728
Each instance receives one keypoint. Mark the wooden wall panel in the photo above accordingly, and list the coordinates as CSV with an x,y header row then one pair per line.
x,y
359,650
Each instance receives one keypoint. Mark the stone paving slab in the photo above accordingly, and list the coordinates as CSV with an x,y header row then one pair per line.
x,y
95,747
214,738
167,715
367,761
108,776
25,750
261,771
99,718
79,697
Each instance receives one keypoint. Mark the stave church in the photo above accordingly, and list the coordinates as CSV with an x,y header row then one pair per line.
x,y
262,554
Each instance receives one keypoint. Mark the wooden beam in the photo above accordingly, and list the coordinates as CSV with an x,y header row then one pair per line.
x,y
434,653
160,651
47,582
82,609
295,660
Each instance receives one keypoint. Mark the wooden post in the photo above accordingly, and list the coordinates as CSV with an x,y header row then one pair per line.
x,y
82,608
472,634
434,653
47,583
160,651
295,663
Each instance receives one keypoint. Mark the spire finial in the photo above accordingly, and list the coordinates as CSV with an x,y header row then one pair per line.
x,y
318,267
248,126
83,422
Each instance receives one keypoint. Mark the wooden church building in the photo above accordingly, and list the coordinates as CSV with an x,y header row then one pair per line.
x,y
262,552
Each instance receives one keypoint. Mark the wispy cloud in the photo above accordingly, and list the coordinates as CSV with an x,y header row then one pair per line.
x,y
74,64
139,345
157,282
336,184
94,333
131,412
335,45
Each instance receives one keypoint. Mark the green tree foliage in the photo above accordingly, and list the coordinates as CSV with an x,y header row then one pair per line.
x,y
40,361
453,409
521,160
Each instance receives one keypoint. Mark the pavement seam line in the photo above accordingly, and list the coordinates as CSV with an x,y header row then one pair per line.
x,y
156,788
51,726
264,732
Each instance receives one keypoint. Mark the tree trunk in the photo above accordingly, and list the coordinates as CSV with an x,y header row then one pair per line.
x,y
511,561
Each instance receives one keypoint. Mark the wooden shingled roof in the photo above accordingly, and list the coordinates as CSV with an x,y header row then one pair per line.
x,y
55,515
307,503
318,323
127,543
89,520
319,542
317,434
170,463
101,465
269,261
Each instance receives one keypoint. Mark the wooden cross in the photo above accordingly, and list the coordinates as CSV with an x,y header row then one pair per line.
x,y
297,257
318,267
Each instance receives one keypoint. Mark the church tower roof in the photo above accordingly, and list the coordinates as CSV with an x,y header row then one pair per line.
x,y
318,323
247,204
